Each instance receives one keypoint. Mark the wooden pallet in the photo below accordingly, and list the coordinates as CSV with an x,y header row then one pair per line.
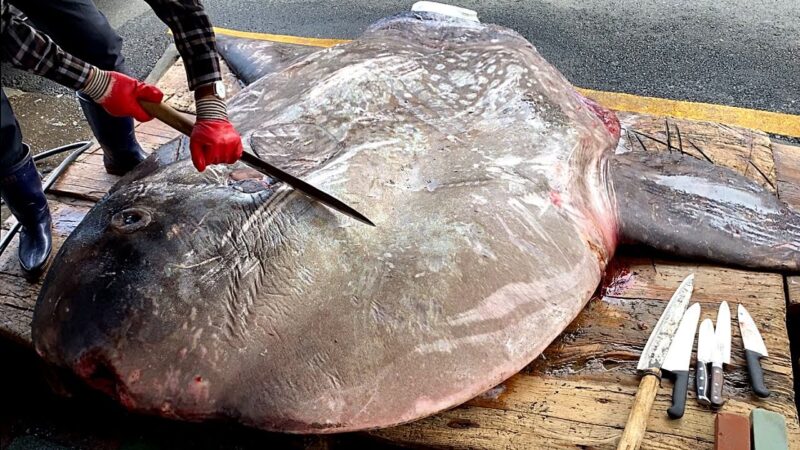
x,y
579,392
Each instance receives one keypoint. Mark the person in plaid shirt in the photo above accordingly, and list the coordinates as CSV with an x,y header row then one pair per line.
x,y
74,45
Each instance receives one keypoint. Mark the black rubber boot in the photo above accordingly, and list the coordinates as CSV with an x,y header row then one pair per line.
x,y
21,189
121,151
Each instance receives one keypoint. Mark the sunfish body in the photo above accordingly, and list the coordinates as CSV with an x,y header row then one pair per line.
x,y
498,202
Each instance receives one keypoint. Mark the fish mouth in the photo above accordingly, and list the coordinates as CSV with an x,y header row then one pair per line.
x,y
97,371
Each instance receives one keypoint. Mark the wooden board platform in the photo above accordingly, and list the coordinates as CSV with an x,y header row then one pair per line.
x,y
579,392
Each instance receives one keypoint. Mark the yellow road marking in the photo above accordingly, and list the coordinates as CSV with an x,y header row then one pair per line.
x,y
772,122
299,40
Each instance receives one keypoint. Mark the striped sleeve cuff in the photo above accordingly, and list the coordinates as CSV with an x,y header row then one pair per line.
x,y
211,107
98,84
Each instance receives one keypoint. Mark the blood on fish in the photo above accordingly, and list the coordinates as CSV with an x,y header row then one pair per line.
x,y
555,197
617,279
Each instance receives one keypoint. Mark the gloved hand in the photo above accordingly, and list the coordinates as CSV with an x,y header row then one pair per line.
x,y
213,140
119,94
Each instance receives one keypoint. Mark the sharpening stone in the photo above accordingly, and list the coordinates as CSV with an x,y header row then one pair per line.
x,y
769,430
732,432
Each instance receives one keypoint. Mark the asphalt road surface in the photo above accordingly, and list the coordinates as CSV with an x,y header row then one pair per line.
x,y
733,52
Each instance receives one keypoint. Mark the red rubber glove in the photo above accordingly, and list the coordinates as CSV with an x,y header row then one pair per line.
x,y
214,141
119,94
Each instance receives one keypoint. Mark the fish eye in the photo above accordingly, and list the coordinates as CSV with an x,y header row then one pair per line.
x,y
131,219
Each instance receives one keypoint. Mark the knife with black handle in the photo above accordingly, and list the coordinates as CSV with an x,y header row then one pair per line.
x,y
754,350
678,358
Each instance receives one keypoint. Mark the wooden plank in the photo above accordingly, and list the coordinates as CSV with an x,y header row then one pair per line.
x,y
581,389
18,296
747,152
787,162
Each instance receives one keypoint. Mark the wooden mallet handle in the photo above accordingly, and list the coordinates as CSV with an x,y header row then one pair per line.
x,y
637,420
165,113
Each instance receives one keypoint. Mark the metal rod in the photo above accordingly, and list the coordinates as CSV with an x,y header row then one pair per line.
x,y
54,175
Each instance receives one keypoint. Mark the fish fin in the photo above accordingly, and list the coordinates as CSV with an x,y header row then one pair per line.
x,y
692,208
251,59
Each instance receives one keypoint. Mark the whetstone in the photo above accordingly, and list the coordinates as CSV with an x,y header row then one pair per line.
x,y
732,432
769,430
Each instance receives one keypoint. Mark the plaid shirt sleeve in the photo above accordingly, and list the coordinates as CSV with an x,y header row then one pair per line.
x,y
34,51
194,38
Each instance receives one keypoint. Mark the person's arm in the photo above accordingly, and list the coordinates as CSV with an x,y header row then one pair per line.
x,y
214,139
34,51
194,38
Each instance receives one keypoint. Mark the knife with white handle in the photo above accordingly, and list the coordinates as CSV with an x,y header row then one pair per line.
x,y
722,355
754,350
678,359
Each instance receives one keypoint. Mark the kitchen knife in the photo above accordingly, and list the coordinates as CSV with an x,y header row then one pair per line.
x,y
705,345
653,355
722,356
184,124
754,350
678,358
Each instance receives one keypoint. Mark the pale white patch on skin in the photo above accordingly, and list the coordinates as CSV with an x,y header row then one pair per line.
x,y
715,192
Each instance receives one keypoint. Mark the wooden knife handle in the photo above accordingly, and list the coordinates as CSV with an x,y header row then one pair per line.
x,y
717,381
637,420
167,114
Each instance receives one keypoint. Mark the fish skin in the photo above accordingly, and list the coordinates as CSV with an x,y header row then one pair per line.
x,y
227,295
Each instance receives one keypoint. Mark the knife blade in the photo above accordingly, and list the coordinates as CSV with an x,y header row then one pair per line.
x,y
653,355
705,345
722,355
311,191
678,358
754,350
184,124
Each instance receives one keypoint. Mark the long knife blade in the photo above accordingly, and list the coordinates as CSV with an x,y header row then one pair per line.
x,y
750,336
313,192
678,358
680,352
723,332
660,339
184,124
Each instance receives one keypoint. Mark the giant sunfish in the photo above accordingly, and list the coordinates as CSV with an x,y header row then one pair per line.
x,y
498,200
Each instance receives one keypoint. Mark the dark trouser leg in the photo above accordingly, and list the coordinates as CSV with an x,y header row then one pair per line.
x,y
21,189
79,28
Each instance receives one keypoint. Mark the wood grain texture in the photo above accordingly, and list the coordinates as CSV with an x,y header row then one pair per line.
x,y
787,162
747,152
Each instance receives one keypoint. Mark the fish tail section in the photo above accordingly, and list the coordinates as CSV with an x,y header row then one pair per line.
x,y
682,205
251,59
